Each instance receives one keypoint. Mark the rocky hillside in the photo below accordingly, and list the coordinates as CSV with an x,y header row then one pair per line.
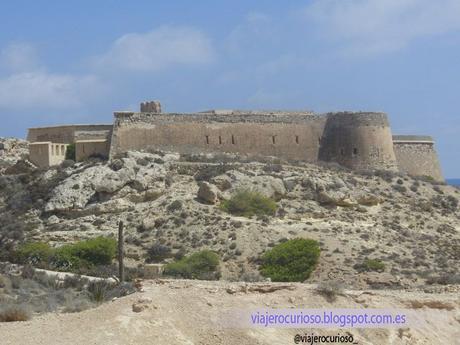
x,y
11,151
411,225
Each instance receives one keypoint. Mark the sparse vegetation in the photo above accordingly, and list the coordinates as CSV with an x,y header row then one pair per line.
x,y
293,260
202,265
70,152
34,253
158,252
96,251
249,203
370,265
89,253
330,290
12,313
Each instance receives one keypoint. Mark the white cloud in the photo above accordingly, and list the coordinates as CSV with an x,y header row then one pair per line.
x,y
374,26
252,34
18,57
159,49
41,90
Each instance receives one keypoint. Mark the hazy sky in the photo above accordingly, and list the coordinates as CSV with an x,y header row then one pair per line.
x,y
78,61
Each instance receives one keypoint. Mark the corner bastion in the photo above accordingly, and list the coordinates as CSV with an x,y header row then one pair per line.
x,y
416,155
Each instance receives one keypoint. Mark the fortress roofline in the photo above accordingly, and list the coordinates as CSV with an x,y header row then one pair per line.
x,y
73,125
412,138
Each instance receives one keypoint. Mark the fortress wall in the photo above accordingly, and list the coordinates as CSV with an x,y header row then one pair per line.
x,y
359,141
293,137
417,156
85,149
63,134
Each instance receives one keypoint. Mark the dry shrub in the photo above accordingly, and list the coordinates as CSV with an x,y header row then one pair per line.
x,y
431,305
13,314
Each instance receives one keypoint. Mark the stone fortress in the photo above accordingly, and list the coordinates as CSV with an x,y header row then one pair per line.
x,y
356,140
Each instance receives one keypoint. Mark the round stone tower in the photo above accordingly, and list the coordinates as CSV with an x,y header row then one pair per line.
x,y
358,140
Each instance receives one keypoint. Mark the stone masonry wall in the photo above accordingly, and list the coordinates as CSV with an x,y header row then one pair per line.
x,y
359,141
63,134
418,158
285,135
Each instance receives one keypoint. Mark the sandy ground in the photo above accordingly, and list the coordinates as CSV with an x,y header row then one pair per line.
x,y
190,312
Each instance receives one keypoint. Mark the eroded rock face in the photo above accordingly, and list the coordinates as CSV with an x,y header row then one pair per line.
x,y
267,185
98,183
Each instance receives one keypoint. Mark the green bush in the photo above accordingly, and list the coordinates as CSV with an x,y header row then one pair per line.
x,y
34,253
84,254
70,152
249,203
89,253
369,265
374,265
201,265
291,261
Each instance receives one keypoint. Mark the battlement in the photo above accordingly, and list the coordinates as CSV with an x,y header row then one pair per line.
x,y
151,107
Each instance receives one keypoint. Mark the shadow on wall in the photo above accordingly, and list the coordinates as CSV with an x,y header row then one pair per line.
x,y
359,141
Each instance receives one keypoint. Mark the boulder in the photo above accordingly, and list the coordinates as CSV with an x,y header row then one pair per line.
x,y
268,186
290,183
335,199
152,271
208,193
369,200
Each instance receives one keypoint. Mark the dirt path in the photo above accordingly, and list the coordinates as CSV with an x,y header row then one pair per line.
x,y
189,312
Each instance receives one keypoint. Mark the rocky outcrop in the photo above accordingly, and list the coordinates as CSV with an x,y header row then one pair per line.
x,y
130,175
208,193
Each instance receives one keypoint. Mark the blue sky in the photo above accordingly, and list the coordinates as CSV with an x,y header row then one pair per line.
x,y
78,61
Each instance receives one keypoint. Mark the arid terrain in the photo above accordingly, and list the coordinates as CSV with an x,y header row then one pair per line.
x,y
190,312
409,224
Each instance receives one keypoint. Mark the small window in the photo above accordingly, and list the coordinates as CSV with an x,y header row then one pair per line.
x,y
296,139
233,140
273,140
355,151
207,139
220,140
